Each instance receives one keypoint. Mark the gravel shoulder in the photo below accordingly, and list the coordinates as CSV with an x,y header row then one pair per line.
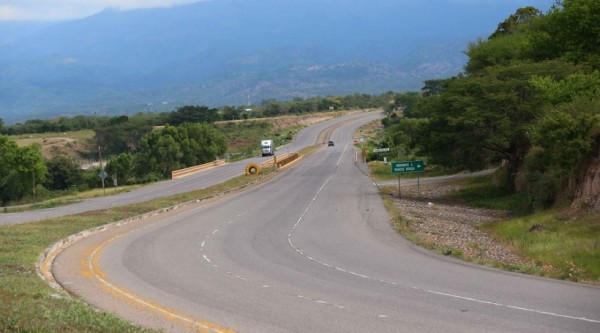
x,y
452,227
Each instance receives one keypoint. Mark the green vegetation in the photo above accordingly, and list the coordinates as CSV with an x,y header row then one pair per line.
x,y
561,243
28,304
22,170
563,248
481,192
174,146
529,101
144,147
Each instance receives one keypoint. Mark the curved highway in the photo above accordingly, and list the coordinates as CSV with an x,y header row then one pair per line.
x,y
306,137
311,251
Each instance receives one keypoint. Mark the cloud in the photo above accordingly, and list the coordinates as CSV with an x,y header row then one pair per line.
x,y
54,10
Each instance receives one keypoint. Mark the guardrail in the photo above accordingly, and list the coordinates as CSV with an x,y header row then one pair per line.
x,y
197,168
280,161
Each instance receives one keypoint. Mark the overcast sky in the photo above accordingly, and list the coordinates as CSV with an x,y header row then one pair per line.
x,y
52,10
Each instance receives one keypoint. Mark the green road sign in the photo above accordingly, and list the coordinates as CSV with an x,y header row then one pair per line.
x,y
380,150
408,166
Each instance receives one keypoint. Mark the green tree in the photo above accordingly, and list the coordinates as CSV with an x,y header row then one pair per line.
x,y
120,167
21,171
201,143
8,169
516,22
173,148
486,118
123,136
271,108
571,31
230,113
31,168
406,101
563,138
193,114
62,173
432,87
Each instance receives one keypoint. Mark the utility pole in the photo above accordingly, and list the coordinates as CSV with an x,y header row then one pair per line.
x,y
33,181
102,172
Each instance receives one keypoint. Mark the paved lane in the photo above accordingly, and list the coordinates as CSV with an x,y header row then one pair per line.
x,y
305,137
313,251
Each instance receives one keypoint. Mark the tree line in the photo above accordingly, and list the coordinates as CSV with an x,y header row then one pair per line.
x,y
141,148
528,99
24,173
191,113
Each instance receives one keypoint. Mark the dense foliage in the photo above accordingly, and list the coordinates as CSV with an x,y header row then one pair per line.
x,y
143,147
22,170
529,100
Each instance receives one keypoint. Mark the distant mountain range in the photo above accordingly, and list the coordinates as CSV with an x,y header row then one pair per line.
x,y
229,52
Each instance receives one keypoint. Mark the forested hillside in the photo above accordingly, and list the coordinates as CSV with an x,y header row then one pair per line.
x,y
529,100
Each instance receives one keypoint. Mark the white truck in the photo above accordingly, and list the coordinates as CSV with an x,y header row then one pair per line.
x,y
267,147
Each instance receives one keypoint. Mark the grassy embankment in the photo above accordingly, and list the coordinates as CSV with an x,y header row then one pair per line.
x,y
28,304
561,243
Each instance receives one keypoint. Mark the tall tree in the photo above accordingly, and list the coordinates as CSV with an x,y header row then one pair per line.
x,y
21,171
62,173
32,169
487,117
569,30
193,114
121,137
8,168
176,147
516,22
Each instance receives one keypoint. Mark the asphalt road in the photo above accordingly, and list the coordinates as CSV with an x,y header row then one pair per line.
x,y
311,251
305,137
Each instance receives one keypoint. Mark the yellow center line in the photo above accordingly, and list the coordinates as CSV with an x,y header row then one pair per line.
x,y
167,313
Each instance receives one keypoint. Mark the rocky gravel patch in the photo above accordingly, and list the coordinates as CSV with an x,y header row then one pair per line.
x,y
448,224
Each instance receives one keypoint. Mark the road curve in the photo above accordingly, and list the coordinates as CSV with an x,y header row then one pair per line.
x,y
306,137
311,251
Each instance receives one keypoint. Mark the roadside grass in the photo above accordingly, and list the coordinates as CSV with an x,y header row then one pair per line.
x,y
559,244
563,248
481,192
29,304
68,199
76,135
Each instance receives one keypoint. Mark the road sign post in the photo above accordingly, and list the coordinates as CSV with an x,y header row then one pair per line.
x,y
103,174
406,167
